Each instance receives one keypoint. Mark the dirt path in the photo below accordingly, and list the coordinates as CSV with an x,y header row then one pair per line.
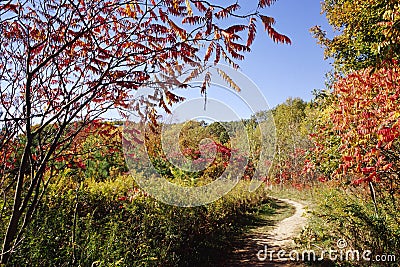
x,y
287,229
271,232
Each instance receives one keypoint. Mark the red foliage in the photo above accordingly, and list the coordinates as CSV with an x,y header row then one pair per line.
x,y
367,119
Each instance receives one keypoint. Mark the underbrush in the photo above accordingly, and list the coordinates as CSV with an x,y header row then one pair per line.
x,y
304,195
346,221
112,223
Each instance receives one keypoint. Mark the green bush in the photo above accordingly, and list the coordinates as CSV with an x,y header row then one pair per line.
x,y
340,214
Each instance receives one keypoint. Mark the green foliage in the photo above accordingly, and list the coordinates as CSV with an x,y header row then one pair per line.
x,y
102,156
292,141
349,215
288,119
218,130
368,32
325,155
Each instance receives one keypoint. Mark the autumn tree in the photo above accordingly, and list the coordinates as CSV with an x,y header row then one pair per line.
x,y
217,129
324,156
357,136
367,117
368,32
96,152
65,63
292,142
358,111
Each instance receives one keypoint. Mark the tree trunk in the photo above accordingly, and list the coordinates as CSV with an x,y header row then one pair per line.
x,y
10,235
12,228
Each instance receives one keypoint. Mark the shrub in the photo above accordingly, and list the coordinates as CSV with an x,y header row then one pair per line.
x,y
351,216
112,223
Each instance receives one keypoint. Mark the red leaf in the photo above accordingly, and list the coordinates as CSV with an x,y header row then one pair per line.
x,y
252,31
210,49
208,21
359,181
268,21
11,7
81,165
367,170
235,28
122,198
264,3
200,6
224,13
217,54
273,34
387,167
347,158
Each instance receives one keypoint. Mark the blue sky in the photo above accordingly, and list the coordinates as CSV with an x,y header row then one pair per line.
x,y
283,71
279,71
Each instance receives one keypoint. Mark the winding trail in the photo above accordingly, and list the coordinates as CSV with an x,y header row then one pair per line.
x,y
287,229
273,234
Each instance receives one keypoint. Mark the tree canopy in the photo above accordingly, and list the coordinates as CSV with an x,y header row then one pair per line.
x,y
369,32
